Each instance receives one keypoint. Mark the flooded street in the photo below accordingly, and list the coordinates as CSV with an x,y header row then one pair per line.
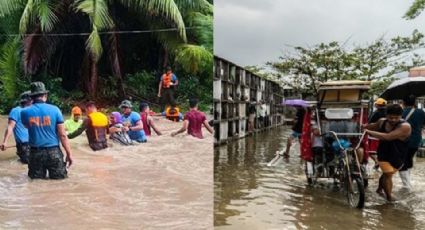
x,y
250,195
163,184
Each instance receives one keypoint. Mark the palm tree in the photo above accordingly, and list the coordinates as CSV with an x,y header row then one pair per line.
x,y
64,16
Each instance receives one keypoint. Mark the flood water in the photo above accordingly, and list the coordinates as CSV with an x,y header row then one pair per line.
x,y
163,184
250,195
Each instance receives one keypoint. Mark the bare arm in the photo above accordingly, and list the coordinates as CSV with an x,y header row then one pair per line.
x,y
184,128
8,132
152,124
209,128
65,143
398,134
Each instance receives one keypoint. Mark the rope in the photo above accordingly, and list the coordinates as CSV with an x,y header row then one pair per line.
x,y
100,33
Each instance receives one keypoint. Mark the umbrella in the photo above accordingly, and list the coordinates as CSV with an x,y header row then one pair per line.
x,y
295,102
405,87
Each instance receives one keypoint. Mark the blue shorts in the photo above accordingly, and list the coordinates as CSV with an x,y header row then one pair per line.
x,y
295,135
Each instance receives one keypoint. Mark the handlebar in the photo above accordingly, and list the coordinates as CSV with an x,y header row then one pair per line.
x,y
347,134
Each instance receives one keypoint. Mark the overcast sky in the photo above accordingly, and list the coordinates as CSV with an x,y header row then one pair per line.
x,y
251,32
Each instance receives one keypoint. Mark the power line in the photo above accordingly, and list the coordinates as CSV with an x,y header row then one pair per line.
x,y
100,33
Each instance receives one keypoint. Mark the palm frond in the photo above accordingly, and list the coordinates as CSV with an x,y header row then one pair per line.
x,y
94,44
194,59
202,28
46,15
9,67
164,8
27,18
98,12
9,6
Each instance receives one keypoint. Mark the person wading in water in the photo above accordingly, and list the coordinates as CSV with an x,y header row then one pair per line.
x,y
19,130
193,121
393,134
45,129
96,127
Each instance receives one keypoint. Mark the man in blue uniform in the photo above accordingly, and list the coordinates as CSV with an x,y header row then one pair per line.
x,y
45,128
19,130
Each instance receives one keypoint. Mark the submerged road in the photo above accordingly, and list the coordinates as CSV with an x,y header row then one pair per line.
x,y
250,195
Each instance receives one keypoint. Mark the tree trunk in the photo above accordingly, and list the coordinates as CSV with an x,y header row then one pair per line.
x,y
114,57
93,78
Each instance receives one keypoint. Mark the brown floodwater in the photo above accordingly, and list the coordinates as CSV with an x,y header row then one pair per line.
x,y
250,195
166,183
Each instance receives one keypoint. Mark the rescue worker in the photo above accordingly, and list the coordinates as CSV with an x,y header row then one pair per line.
x,y
45,129
147,120
132,122
96,127
19,130
173,113
166,87
75,121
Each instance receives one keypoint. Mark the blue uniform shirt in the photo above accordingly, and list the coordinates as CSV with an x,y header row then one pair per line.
x,y
416,121
20,132
41,119
133,118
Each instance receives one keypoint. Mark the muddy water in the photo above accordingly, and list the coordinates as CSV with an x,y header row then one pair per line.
x,y
250,195
163,184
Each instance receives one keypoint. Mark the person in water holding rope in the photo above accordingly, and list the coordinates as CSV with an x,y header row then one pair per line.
x,y
193,121
173,113
75,121
19,131
45,129
132,122
166,88
147,120
96,127
393,134
116,130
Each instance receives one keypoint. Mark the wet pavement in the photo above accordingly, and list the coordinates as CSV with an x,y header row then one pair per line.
x,y
250,195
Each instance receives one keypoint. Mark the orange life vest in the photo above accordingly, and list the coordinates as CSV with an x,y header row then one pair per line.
x,y
172,113
166,80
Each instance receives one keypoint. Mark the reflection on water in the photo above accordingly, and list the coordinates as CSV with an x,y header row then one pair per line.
x,y
163,184
250,195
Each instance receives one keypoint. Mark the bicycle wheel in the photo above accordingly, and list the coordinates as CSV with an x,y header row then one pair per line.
x,y
355,192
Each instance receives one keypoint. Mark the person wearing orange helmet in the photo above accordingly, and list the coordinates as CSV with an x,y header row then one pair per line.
x,y
75,121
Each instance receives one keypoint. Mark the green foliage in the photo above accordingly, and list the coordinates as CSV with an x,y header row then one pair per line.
x,y
9,68
415,9
193,88
188,51
142,84
379,60
194,59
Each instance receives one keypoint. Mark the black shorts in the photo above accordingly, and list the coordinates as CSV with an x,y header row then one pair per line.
x,y
408,160
43,160
23,152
